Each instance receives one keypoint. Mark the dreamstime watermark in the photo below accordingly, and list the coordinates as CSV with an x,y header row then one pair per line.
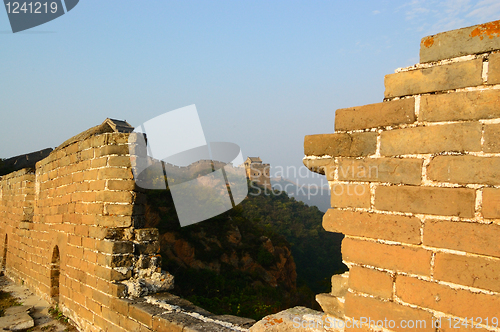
x,y
204,179
25,15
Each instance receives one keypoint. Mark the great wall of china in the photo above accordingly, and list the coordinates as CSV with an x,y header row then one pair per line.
x,y
421,236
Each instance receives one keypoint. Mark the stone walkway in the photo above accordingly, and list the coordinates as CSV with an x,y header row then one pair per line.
x,y
40,312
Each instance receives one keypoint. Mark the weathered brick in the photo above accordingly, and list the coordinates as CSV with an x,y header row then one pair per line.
x,y
373,225
97,184
494,68
470,105
465,169
465,236
432,139
121,185
140,313
430,200
115,247
114,196
370,281
389,113
161,323
100,297
450,44
111,233
111,274
457,302
340,284
133,326
114,173
112,150
120,305
122,161
491,203
491,138
471,271
317,165
438,78
392,257
146,248
341,144
355,195
393,170
117,290
115,260
331,305
99,162
364,308
147,234
113,221
120,209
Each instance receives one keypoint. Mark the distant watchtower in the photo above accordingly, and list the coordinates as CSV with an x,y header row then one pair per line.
x,y
258,172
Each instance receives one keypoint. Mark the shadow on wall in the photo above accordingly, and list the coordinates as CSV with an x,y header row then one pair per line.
x,y
3,262
54,275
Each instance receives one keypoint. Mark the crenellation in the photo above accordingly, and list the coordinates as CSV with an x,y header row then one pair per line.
x,y
81,202
427,246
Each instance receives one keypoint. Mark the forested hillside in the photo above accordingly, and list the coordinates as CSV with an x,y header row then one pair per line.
x,y
316,252
268,254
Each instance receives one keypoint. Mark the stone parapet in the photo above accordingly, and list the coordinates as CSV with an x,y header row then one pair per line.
x,y
415,189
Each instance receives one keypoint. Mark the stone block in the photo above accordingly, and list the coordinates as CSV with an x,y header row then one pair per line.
x,y
115,247
494,68
457,106
465,169
286,321
438,78
445,299
479,38
373,225
473,271
358,307
433,139
491,203
341,144
356,195
371,281
147,234
331,305
398,258
429,200
389,113
392,170
340,284
317,165
470,237
491,138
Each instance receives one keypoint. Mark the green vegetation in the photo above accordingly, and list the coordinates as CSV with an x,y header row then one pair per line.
x,y
316,252
57,314
7,301
225,288
233,263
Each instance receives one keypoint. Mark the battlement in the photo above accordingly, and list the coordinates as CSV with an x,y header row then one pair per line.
x,y
415,188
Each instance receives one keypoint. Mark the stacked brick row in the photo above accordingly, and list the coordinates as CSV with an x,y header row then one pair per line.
x,y
86,210
16,209
415,188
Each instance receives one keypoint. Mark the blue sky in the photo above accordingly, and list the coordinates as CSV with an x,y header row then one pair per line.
x,y
263,74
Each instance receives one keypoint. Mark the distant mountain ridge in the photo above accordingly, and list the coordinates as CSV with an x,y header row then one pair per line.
x,y
311,194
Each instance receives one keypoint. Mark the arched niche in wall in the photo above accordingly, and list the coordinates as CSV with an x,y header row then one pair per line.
x,y
3,262
55,265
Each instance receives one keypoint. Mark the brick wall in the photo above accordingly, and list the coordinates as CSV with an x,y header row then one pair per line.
x,y
415,184
71,230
